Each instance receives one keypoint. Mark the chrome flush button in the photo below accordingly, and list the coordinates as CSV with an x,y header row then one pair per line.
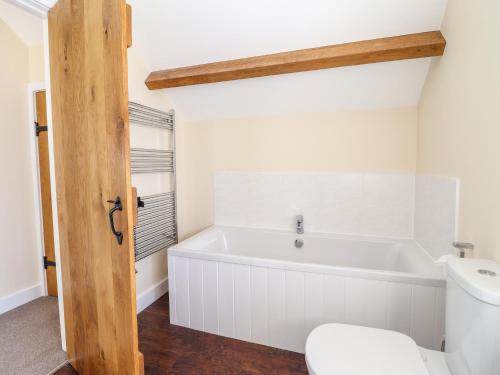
x,y
487,273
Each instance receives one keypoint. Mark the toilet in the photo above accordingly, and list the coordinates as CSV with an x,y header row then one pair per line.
x,y
472,334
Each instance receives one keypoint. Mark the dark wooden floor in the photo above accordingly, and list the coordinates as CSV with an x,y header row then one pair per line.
x,y
170,349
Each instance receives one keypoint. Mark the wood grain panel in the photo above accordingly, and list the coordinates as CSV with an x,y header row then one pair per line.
x,y
403,47
45,191
129,26
88,64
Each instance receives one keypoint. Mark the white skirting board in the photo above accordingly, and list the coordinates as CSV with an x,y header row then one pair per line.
x,y
24,296
152,294
17,299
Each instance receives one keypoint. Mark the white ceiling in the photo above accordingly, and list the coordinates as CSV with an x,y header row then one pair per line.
x,y
173,33
26,25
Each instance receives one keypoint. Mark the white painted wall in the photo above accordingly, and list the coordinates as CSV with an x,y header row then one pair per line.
x,y
20,266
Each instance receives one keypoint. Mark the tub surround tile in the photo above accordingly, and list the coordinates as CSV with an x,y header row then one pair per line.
x,y
436,210
362,204
404,206
388,205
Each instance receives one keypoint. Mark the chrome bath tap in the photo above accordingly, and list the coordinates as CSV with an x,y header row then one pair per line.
x,y
300,224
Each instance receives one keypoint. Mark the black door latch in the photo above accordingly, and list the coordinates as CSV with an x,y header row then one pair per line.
x,y
117,207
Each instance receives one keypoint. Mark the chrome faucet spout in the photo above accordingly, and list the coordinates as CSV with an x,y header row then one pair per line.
x,y
300,224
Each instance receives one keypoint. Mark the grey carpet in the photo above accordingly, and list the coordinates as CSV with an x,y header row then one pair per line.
x,y
30,340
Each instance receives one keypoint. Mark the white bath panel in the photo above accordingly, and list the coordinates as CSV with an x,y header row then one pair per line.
x,y
423,315
294,310
182,278
171,290
226,300
366,302
334,299
279,307
276,308
399,307
314,301
242,303
259,301
196,294
210,313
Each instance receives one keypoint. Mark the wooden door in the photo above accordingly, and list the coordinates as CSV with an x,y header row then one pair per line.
x,y
44,171
88,66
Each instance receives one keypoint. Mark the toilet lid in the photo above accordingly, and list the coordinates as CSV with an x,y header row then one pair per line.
x,y
339,349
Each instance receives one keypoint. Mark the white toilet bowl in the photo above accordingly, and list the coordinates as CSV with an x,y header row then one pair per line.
x,y
340,349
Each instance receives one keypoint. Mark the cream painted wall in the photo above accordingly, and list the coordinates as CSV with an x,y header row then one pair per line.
x,y
37,67
19,268
380,141
152,270
459,119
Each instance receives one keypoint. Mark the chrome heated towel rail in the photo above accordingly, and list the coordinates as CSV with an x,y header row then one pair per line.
x,y
156,227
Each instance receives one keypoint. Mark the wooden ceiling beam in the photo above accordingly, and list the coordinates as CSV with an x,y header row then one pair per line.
x,y
402,47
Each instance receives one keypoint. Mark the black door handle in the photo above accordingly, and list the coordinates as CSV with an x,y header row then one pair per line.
x,y
140,202
117,207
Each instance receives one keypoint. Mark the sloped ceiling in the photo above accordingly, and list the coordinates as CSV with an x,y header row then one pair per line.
x,y
173,33
27,26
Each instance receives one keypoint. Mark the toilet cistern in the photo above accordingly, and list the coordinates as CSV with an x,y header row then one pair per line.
x,y
299,221
462,246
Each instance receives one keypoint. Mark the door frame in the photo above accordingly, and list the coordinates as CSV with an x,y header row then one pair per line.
x,y
35,174
40,10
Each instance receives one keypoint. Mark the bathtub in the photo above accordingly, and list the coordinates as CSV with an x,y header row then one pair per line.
x,y
255,285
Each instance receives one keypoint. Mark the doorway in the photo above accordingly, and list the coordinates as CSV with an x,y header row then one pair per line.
x,y
41,131
30,334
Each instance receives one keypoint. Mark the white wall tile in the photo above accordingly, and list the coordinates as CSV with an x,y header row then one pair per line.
x,y
210,281
387,205
341,203
331,203
258,291
196,294
436,210
226,300
242,305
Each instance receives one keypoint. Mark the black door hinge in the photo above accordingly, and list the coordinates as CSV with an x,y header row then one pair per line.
x,y
48,263
39,129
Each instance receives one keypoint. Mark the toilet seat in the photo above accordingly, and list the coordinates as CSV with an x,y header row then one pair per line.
x,y
340,349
